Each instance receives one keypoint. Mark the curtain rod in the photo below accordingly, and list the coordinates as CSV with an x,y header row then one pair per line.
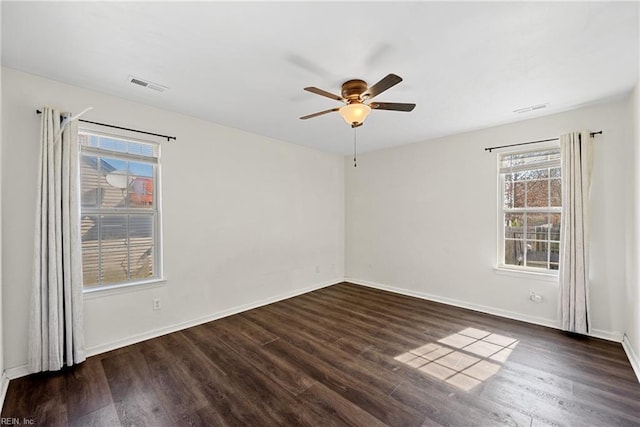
x,y
122,128
489,149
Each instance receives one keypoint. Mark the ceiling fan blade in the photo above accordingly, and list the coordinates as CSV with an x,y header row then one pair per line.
x,y
310,116
389,81
394,106
323,93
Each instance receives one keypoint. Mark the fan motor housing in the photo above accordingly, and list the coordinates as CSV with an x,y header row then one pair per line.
x,y
353,89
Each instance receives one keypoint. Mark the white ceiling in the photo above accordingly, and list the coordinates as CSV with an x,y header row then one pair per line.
x,y
244,65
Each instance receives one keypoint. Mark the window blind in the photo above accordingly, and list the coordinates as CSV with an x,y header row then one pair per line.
x,y
147,151
529,160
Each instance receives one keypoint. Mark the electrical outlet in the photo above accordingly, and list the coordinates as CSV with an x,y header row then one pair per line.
x,y
156,304
535,297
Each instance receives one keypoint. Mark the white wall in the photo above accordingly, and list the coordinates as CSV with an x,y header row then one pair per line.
x,y
4,382
246,219
632,297
422,218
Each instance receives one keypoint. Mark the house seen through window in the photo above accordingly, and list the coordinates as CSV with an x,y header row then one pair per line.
x,y
119,207
531,205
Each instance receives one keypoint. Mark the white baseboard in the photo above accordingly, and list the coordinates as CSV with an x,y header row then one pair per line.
x,y
633,357
4,385
17,372
550,323
456,303
103,348
21,371
607,335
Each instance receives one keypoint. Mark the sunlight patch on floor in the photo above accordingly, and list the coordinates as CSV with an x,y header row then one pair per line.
x,y
464,359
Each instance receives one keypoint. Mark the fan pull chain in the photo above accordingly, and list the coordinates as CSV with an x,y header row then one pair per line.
x,y
355,165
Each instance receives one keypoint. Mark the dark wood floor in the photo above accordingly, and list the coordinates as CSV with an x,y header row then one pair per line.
x,y
343,355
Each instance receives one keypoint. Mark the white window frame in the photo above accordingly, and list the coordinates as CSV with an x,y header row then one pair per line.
x,y
501,266
157,185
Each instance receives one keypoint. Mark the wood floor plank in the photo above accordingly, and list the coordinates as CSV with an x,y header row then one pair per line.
x,y
354,317
242,326
363,394
344,355
224,408
136,401
566,405
242,396
611,400
362,385
89,386
269,398
358,318
439,392
105,416
317,346
341,410
173,384
278,369
448,409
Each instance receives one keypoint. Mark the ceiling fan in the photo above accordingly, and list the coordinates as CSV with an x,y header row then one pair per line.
x,y
354,94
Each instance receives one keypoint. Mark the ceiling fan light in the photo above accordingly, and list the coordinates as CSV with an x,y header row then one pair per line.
x,y
355,113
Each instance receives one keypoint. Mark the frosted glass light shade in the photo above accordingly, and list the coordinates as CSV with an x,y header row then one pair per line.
x,y
355,113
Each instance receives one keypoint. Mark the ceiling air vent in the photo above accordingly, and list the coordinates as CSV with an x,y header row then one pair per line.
x,y
531,108
147,84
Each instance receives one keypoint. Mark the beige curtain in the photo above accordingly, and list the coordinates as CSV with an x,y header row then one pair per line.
x,y
576,153
56,331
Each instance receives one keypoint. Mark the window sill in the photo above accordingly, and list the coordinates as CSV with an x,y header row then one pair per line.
x,y
526,274
103,291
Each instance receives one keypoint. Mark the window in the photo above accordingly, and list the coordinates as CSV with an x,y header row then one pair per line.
x,y
119,210
531,205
